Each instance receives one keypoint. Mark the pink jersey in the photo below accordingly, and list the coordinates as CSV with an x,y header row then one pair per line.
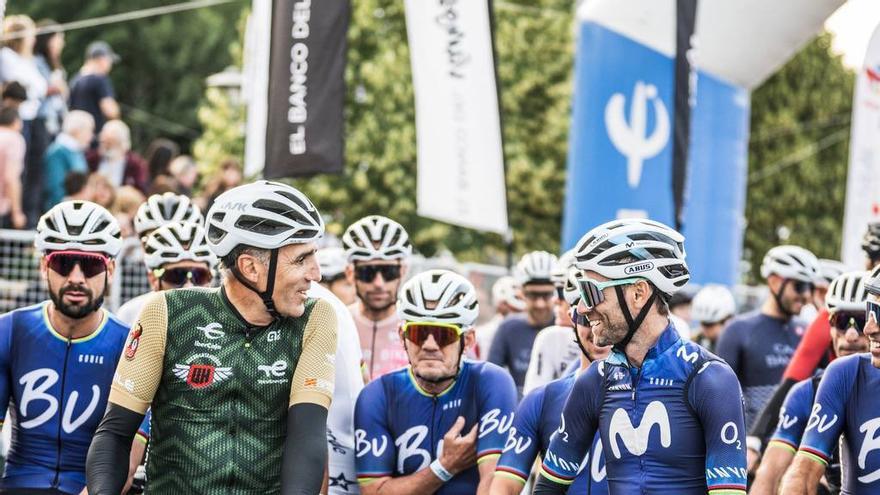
x,y
382,348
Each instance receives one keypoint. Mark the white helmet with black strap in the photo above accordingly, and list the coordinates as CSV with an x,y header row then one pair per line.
x,y
175,242
160,209
536,267
792,263
847,293
78,226
264,215
375,237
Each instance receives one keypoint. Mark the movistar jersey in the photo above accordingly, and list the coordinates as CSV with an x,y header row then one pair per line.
x,y
537,418
675,425
219,389
399,427
57,391
848,403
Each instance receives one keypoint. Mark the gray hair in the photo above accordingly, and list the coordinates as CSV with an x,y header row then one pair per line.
x,y
120,130
77,120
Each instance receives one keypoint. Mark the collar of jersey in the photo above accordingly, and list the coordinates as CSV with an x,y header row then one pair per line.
x,y
420,390
669,337
246,324
73,341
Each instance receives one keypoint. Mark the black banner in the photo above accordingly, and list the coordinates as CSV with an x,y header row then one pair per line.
x,y
304,132
685,21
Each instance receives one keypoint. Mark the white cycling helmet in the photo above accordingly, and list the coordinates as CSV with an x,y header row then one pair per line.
x,y
847,293
791,262
439,296
713,304
78,226
504,290
828,271
563,265
535,267
177,241
872,281
160,209
376,238
570,290
636,248
263,214
332,261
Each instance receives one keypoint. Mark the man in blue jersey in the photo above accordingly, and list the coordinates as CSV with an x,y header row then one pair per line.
x,y
57,358
847,403
537,418
668,412
845,301
440,424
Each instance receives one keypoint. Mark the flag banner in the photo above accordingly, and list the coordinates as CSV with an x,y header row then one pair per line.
x,y
863,180
685,21
306,88
458,130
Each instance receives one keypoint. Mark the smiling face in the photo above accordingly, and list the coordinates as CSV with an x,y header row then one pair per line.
x,y
595,352
606,318
297,269
75,295
540,299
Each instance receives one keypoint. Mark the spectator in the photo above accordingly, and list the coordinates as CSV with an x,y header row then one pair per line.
x,y
66,154
17,63
91,90
14,95
230,176
159,154
77,187
12,151
103,191
47,53
114,159
163,184
128,199
185,173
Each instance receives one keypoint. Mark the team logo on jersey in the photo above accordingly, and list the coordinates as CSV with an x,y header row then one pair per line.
x,y
635,439
134,340
212,331
202,374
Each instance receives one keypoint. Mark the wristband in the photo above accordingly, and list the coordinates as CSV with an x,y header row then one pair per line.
x,y
440,471
754,443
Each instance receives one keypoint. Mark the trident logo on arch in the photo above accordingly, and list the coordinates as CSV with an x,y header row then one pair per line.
x,y
631,137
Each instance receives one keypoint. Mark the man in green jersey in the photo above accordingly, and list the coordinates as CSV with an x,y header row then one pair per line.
x,y
237,377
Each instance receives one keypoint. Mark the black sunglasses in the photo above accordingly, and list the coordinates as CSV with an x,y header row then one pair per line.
x,y
842,321
178,277
802,287
579,319
63,262
367,273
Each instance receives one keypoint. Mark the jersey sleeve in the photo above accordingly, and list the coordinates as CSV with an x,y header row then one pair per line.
x,y
814,345
793,416
729,346
717,399
143,433
523,440
5,362
498,403
140,368
573,439
315,373
374,447
828,412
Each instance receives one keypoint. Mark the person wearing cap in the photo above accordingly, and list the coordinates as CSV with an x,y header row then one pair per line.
x,y
57,357
507,302
91,89
238,378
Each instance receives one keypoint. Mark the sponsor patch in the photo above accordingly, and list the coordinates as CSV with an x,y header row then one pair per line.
x,y
134,341
638,268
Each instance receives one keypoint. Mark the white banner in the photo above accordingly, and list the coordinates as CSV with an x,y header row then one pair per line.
x,y
460,161
863,182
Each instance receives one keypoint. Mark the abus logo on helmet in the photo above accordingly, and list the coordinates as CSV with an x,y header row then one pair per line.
x,y
639,268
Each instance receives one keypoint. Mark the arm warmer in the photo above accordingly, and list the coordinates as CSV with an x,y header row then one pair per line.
x,y
107,461
305,450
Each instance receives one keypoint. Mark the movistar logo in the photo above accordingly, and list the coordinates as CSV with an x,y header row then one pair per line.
x,y
636,438
639,268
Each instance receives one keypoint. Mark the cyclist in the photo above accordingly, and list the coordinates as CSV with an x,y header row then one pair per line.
x,y
57,357
512,345
828,271
506,301
238,378
845,300
333,261
554,350
711,308
653,377
438,425
378,251
758,345
537,418
846,404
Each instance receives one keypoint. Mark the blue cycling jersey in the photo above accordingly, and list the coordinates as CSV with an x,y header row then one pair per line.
x,y
794,414
57,392
399,428
847,403
143,433
536,419
673,426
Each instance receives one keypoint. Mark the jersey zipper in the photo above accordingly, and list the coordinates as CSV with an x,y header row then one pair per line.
x,y
55,481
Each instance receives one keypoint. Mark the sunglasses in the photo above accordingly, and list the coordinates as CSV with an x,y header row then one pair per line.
x,y
443,333
63,262
873,311
367,273
579,319
802,287
178,277
535,295
843,321
592,290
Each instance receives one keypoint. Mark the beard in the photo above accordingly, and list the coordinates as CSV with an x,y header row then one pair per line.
x,y
75,311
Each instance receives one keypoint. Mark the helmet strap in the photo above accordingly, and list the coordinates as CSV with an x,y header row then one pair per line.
x,y
777,296
632,325
577,339
266,295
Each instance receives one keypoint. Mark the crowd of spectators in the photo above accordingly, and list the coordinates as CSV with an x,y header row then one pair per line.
x,y
65,138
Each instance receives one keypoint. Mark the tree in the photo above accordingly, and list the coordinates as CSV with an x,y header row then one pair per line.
x,y
798,155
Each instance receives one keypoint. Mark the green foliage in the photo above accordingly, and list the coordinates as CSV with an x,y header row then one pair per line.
x,y
798,155
165,59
